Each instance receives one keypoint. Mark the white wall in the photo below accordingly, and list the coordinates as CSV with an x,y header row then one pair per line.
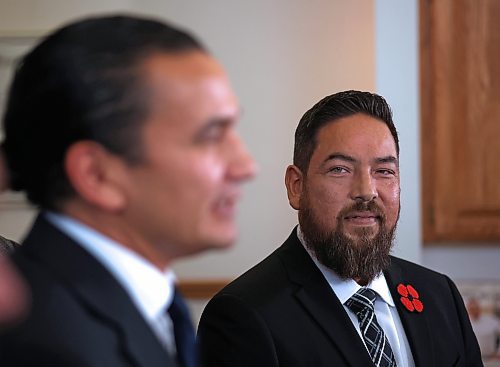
x,y
397,79
282,56
396,65
464,262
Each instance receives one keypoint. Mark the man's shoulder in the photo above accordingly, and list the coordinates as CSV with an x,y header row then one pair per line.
x,y
60,315
415,268
434,283
53,268
54,313
267,274
273,280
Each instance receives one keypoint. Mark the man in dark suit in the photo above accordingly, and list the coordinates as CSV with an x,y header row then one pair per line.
x,y
332,295
122,130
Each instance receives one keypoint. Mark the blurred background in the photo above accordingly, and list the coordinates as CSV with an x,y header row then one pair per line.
x,y
282,57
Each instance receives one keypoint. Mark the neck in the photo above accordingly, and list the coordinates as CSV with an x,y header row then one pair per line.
x,y
116,227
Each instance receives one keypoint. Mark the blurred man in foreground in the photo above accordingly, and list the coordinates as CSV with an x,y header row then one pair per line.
x,y
122,130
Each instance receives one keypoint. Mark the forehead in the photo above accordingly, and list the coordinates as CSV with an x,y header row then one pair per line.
x,y
181,74
188,85
357,135
189,64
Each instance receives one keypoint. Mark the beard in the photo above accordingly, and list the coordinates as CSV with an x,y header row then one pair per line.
x,y
361,257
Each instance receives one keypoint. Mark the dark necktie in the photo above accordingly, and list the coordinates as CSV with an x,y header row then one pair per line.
x,y
185,341
361,303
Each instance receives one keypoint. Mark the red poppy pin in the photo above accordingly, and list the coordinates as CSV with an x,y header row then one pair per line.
x,y
409,298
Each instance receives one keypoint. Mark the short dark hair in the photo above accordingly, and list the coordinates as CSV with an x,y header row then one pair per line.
x,y
332,108
82,82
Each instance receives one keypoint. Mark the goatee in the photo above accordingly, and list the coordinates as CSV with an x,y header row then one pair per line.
x,y
361,257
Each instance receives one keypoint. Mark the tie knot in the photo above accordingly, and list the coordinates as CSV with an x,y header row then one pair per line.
x,y
362,301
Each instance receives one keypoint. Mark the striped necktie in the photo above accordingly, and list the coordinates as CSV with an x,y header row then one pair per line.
x,y
361,303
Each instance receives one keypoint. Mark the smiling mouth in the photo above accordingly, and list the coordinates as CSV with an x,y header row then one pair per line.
x,y
225,207
362,218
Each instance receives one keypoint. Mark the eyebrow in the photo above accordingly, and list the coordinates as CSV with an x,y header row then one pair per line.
x,y
223,120
218,122
350,159
388,159
214,123
340,156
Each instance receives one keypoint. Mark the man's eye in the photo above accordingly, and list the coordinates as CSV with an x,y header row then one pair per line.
x,y
386,172
215,131
212,135
338,170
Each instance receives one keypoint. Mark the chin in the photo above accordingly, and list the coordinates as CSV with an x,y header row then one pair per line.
x,y
208,244
362,233
223,239
223,246
216,234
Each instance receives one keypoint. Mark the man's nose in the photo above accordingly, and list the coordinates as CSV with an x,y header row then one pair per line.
x,y
243,167
364,188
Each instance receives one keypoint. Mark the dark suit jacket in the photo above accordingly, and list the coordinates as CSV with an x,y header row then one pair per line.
x,y
283,313
80,315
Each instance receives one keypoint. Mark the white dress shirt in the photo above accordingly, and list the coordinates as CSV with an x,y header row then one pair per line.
x,y
150,289
385,309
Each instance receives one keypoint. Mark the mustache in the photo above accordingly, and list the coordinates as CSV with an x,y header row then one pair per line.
x,y
362,206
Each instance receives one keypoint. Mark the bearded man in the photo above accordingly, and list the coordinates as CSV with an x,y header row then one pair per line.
x,y
332,295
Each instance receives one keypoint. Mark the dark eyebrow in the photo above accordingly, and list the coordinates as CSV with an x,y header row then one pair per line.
x,y
218,122
340,156
388,159
348,158
215,123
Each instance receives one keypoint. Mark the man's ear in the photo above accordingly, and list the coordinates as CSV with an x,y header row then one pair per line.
x,y
294,182
96,175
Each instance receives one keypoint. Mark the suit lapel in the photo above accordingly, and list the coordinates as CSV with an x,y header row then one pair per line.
x,y
416,324
97,290
322,304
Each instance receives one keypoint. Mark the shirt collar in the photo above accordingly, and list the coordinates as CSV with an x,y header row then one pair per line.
x,y
150,289
345,288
